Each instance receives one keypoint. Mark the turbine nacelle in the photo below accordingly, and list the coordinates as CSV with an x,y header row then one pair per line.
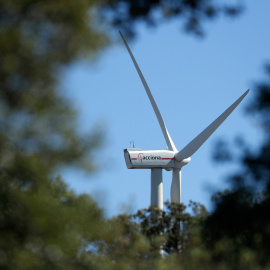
x,y
148,159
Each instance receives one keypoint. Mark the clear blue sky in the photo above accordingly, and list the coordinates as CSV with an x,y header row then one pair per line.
x,y
192,80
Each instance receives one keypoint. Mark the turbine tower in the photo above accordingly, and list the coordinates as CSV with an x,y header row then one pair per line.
x,y
170,159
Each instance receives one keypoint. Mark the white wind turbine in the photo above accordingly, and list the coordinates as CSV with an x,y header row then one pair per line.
x,y
170,159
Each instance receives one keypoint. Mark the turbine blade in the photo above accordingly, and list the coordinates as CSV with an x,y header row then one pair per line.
x,y
196,143
165,132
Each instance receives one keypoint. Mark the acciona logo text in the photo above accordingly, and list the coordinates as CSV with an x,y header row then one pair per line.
x,y
151,157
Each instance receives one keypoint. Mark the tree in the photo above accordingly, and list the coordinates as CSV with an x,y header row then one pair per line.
x,y
36,40
138,239
124,14
239,224
46,226
172,228
43,224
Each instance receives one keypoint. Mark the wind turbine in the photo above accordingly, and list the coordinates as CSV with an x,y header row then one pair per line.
x,y
170,159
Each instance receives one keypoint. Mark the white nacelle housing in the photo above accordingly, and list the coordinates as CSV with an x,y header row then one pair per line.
x,y
146,159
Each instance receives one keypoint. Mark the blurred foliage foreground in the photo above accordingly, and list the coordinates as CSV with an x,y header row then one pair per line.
x,y
45,225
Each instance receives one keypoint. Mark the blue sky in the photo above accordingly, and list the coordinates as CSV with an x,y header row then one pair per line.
x,y
193,81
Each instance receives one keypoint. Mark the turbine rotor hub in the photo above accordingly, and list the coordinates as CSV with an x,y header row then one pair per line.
x,y
182,163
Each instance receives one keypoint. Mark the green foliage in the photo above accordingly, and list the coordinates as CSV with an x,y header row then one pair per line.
x,y
172,228
237,233
136,241
45,225
36,39
124,14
